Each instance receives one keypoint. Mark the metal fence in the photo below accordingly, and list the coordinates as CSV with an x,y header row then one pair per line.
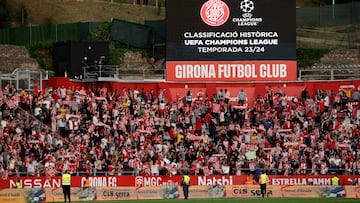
x,y
136,172
328,15
326,38
50,32
339,72
155,3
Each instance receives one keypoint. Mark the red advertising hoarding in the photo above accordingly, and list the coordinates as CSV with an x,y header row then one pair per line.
x,y
146,181
101,194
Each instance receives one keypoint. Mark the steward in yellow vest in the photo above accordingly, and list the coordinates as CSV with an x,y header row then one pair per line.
x,y
335,181
18,184
263,180
186,183
66,184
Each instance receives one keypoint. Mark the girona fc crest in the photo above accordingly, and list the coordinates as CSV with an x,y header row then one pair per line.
x,y
139,181
214,12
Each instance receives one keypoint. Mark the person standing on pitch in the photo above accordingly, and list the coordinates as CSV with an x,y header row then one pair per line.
x,y
86,182
66,182
263,180
186,183
18,184
335,181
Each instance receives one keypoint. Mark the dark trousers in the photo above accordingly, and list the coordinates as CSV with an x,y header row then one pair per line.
x,y
66,191
186,191
263,189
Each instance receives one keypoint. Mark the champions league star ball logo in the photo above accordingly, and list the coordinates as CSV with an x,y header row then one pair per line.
x,y
247,6
214,12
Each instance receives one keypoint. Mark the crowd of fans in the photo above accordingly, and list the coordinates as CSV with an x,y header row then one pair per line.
x,y
135,132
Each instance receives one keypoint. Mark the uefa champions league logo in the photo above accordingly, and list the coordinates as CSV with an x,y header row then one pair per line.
x,y
247,7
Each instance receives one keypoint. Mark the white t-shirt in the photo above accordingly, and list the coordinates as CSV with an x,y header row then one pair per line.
x,y
31,168
4,123
47,104
327,101
37,111
62,93
95,119
154,169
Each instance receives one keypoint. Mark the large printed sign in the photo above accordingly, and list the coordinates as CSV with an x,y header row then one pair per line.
x,y
293,191
114,193
150,181
175,192
231,40
14,195
231,71
57,195
250,191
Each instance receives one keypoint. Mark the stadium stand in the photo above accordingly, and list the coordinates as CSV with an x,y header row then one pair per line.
x,y
133,132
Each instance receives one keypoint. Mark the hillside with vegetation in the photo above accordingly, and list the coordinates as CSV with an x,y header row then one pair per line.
x,y
15,13
39,12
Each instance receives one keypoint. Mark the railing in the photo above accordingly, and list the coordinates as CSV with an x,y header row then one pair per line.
x,y
25,78
28,79
41,125
116,73
340,72
328,38
155,3
132,172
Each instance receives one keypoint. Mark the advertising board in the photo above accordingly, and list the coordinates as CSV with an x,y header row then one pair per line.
x,y
150,181
175,192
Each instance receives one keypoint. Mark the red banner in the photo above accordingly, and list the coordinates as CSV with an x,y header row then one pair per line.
x,y
145,181
226,71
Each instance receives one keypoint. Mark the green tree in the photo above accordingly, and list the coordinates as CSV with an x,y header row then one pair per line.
x,y
101,33
5,14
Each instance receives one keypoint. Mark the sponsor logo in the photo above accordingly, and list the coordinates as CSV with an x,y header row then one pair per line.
x,y
101,181
247,192
214,12
204,180
257,193
141,181
300,181
37,183
357,191
241,191
116,194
